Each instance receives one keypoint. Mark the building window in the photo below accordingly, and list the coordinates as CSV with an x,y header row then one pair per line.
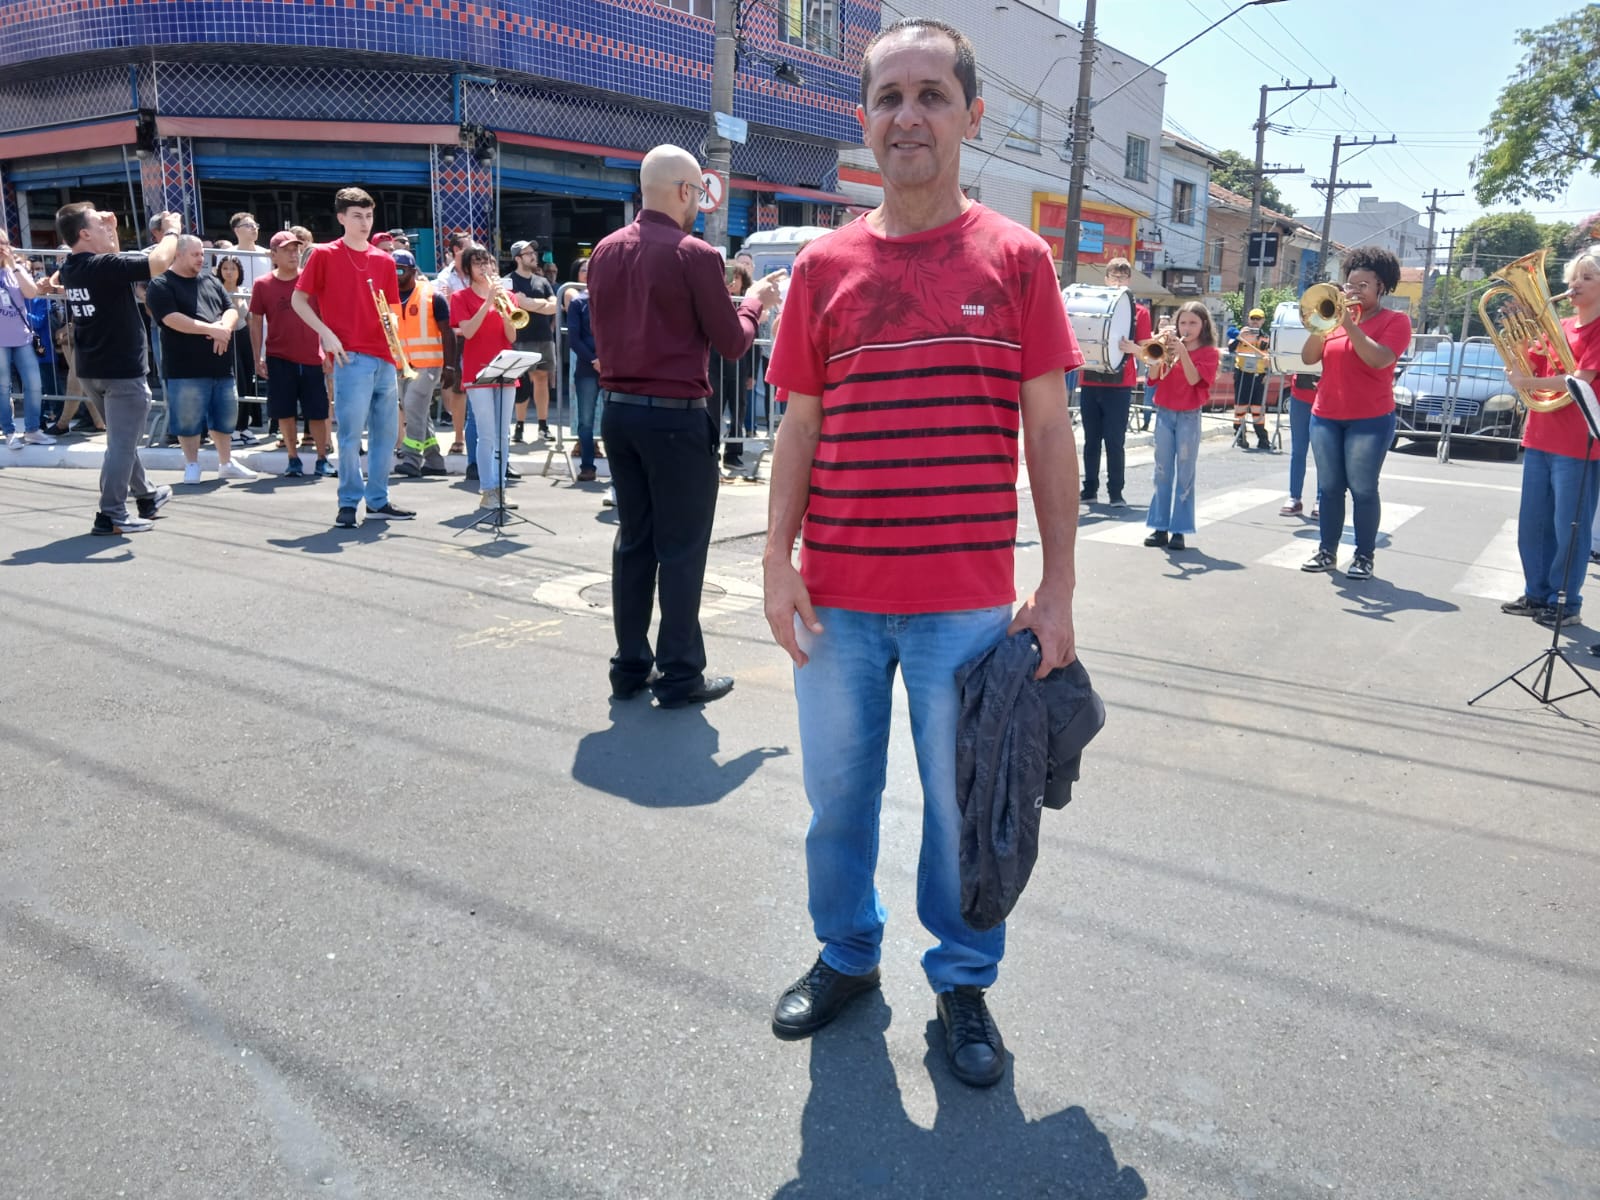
x,y
1138,158
810,23
1217,245
1182,202
1025,123
700,8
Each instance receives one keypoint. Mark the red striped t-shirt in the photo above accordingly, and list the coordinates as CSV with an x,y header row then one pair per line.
x,y
918,347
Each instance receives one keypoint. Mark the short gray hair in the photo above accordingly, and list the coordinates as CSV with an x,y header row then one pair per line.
x,y
1588,257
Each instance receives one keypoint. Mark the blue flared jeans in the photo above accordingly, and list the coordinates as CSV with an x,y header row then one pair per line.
x,y
1177,452
1350,456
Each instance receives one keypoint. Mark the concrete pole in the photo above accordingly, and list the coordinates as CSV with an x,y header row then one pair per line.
x,y
719,151
1255,207
1327,211
1080,148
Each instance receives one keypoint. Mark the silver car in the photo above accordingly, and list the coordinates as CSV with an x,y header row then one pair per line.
x,y
1485,407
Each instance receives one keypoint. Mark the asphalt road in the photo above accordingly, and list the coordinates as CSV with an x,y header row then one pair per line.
x,y
328,868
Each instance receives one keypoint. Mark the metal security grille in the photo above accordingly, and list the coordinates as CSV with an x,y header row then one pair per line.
x,y
57,99
300,93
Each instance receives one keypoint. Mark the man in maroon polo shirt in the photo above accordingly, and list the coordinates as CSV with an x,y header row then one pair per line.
x,y
657,300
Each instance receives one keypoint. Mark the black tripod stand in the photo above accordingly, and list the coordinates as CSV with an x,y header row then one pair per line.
x,y
1544,677
501,373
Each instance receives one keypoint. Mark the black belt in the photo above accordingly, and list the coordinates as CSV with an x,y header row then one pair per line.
x,y
655,401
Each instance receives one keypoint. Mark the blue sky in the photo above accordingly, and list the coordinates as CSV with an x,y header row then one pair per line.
x,y
1427,71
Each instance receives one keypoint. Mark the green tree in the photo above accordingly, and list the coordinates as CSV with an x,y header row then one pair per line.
x,y
1237,174
1497,238
1546,126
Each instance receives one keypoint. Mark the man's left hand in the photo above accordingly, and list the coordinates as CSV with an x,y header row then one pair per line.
x,y
1049,614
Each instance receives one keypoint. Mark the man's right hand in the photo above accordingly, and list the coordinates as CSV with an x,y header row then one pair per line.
x,y
785,598
765,289
261,368
334,348
171,222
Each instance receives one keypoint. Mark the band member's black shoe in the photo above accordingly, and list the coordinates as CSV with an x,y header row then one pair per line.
x,y
816,998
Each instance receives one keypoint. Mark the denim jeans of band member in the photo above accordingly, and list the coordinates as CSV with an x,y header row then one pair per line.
x,y
843,696
416,399
1349,457
125,404
664,466
27,365
1177,451
1105,420
196,405
365,400
492,409
1299,445
1555,489
587,390
469,434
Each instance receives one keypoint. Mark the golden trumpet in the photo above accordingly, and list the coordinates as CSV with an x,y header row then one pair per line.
x,y
1323,306
1159,353
517,316
391,332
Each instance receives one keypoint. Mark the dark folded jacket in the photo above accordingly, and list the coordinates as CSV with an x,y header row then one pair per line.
x,y
1018,746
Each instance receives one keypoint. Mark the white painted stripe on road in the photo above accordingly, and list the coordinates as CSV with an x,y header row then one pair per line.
x,y
1296,552
1466,483
1207,512
1496,574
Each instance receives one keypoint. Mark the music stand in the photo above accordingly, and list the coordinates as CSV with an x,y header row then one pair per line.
x,y
1584,397
505,368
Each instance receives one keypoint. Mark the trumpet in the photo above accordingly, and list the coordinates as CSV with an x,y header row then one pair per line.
x,y
391,332
517,316
1323,307
1158,352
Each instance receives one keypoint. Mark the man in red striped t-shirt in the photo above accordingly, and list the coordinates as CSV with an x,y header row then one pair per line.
x,y
919,346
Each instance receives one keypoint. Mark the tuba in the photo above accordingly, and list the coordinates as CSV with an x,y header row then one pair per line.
x,y
1520,315
511,312
391,332
1322,308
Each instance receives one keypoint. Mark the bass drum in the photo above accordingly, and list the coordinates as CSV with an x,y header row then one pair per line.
x,y
1287,337
1101,317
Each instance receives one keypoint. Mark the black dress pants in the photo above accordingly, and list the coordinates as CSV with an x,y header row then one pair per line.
x,y
1105,422
664,466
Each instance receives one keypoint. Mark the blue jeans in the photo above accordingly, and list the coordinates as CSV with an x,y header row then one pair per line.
x,y
844,699
196,405
1350,455
586,389
366,399
470,435
27,365
492,435
1554,487
1299,443
1177,452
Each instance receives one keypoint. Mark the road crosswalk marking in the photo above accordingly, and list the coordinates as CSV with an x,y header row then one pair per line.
x,y
1291,556
1208,511
1496,574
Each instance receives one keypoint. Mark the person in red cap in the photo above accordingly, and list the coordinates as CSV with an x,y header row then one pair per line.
x,y
289,356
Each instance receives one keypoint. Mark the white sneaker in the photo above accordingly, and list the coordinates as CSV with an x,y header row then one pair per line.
x,y
14,440
610,500
191,472
38,437
235,470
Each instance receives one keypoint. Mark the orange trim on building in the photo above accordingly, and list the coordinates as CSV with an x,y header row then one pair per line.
x,y
308,131
543,143
74,137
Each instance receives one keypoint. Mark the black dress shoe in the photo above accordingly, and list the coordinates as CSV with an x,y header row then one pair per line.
x,y
1158,538
628,689
1176,542
971,1039
816,998
712,687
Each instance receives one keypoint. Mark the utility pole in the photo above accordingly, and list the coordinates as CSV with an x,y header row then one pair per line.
x,y
1080,148
1333,187
1434,210
719,151
1260,177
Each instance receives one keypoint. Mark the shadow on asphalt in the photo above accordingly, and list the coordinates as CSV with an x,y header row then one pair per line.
x,y
79,548
858,1140
1192,562
662,759
1379,599
334,539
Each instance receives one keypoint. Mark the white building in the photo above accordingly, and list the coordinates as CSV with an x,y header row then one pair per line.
x,y
1179,256
1386,223
1020,164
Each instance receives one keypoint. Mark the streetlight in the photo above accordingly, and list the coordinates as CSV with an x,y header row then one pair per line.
x,y
1080,123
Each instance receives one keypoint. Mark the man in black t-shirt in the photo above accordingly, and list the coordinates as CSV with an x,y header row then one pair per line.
x,y
109,351
537,298
197,325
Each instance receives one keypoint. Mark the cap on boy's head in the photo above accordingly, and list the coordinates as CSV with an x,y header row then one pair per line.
x,y
1257,315
404,258
518,247
382,239
283,238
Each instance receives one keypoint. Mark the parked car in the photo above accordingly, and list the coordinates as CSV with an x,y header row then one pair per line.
x,y
1485,407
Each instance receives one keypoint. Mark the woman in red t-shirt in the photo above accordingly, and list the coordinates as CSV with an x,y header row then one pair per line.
x,y
1182,394
1558,484
484,332
1352,418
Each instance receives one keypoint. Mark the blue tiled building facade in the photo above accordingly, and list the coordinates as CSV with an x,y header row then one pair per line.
x,y
516,117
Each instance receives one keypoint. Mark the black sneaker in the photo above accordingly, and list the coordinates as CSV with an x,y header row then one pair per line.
x,y
408,469
295,469
816,998
436,469
472,470
971,1039
1322,560
1360,567
150,505
1117,501
106,526
1549,616
346,518
1086,496
1176,542
1158,538
516,432
1523,606
544,430
512,472
389,512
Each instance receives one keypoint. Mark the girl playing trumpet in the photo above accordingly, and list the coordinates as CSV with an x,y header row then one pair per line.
x,y
1185,386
